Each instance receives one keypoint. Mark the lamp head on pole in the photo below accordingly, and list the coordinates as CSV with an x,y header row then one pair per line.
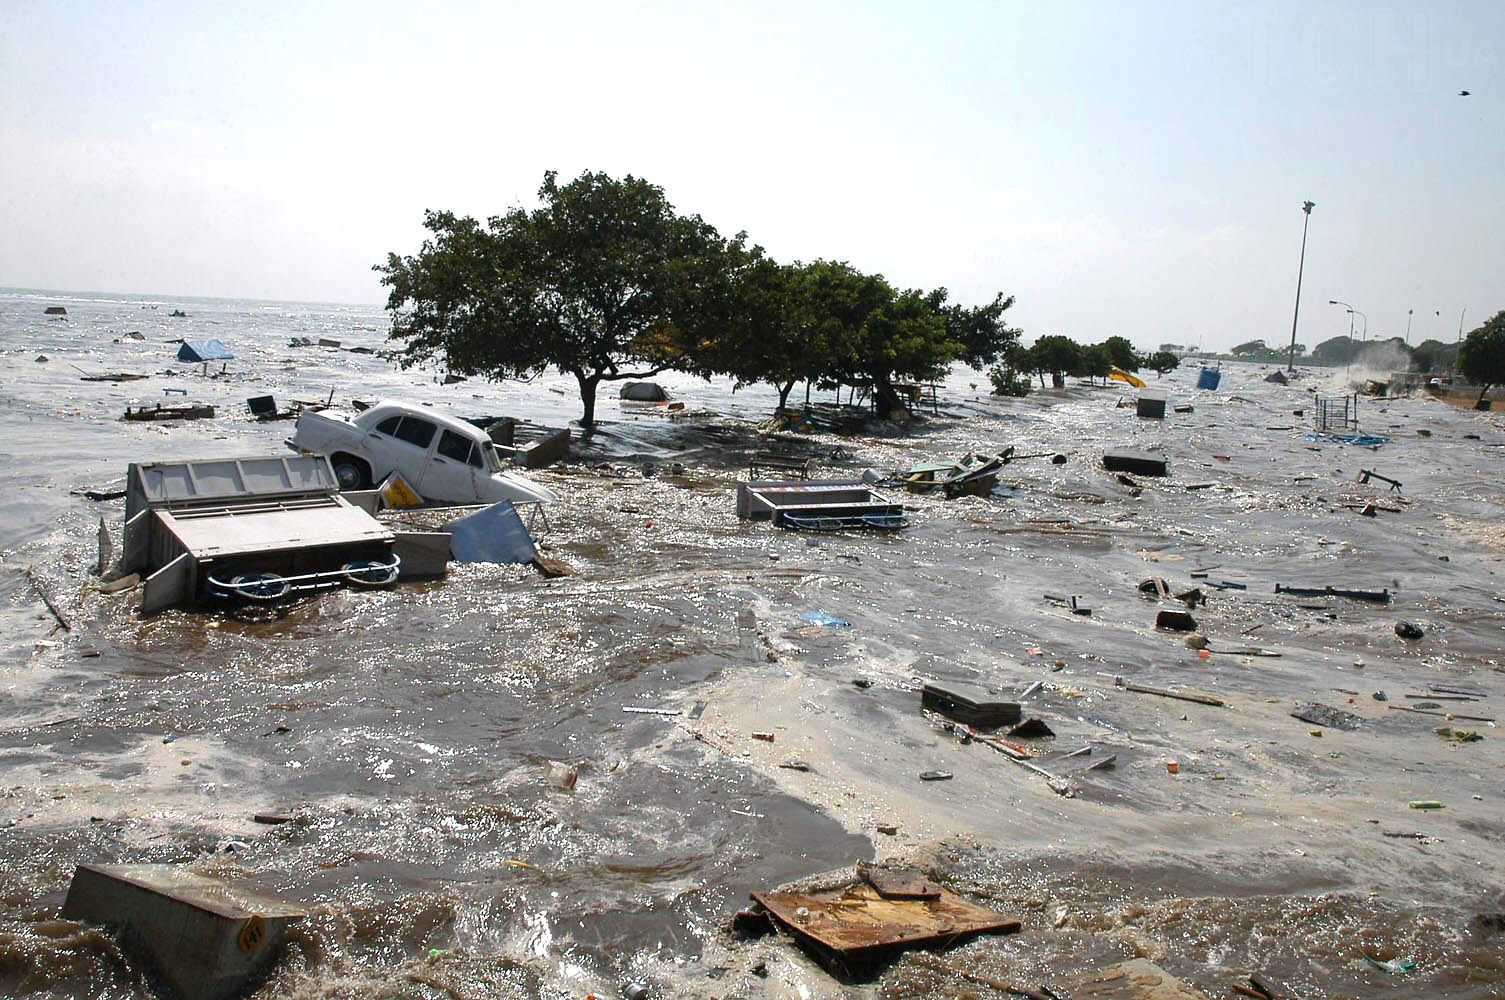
x,y
1307,206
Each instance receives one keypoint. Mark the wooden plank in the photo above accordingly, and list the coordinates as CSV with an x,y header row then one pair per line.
x,y
1200,699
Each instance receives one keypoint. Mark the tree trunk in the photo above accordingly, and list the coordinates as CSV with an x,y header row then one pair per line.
x,y
1482,393
887,400
588,384
784,393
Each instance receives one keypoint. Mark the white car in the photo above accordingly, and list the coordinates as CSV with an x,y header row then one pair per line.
x,y
443,458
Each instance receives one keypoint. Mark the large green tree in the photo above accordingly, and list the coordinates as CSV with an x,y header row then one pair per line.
x,y
904,339
872,333
1122,354
781,330
1093,361
1482,356
1056,355
604,281
1162,361
980,331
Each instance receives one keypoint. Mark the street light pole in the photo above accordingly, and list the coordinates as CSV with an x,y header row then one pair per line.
x,y
1348,306
1458,344
1306,208
1348,352
1408,326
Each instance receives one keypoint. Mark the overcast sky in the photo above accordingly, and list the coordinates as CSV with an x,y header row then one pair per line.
x,y
1121,168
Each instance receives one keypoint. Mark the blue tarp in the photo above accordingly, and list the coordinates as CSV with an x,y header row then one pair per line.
x,y
204,350
821,618
495,534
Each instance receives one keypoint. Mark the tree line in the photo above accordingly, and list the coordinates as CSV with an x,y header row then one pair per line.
x,y
606,280
1428,356
1061,356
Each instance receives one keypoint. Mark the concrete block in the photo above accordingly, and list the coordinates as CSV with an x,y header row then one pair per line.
x,y
969,705
1152,404
205,940
1138,463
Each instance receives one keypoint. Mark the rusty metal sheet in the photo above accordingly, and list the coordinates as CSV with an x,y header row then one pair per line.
x,y
858,919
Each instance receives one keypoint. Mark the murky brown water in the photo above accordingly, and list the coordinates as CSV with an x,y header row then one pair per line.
x,y
408,730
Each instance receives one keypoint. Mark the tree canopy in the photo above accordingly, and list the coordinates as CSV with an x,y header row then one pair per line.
x,y
605,280
1121,353
1340,349
1162,361
1481,358
1058,355
1432,355
604,277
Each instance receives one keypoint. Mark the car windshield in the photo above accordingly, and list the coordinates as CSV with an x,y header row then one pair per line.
x,y
493,460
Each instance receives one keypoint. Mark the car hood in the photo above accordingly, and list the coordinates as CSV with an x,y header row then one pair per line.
x,y
519,489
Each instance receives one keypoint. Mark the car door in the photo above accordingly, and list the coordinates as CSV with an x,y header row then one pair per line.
x,y
456,463
411,443
381,447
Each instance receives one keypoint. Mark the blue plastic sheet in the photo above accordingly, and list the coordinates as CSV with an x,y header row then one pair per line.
x,y
821,618
1362,440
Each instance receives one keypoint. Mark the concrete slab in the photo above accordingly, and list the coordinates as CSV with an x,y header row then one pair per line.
x,y
1138,463
206,940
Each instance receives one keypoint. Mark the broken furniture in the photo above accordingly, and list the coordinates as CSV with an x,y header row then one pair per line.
x,y
971,474
251,529
205,939
794,466
820,505
188,411
265,408
1365,475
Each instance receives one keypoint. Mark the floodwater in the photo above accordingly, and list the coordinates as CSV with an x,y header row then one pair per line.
x,y
408,731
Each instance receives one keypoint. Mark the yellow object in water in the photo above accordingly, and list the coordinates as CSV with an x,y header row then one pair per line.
x,y
1119,375
395,492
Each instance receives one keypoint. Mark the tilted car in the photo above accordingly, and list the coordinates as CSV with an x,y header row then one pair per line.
x,y
443,458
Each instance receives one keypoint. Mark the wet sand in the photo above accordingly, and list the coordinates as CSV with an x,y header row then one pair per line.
x,y
408,730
